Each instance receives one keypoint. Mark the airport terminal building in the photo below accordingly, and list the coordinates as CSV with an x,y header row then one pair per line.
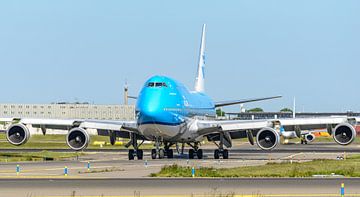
x,y
66,111
69,111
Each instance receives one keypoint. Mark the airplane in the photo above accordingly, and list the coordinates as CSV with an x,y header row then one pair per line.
x,y
168,114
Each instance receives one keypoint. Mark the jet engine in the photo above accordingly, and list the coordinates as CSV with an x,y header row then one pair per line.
x,y
344,134
17,134
77,139
267,138
309,137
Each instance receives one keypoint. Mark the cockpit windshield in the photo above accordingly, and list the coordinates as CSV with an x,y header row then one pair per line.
x,y
156,84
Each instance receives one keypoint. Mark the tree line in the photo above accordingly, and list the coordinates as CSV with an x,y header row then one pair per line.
x,y
219,112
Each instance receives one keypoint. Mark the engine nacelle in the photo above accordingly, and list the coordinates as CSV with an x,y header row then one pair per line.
x,y
17,134
267,138
344,134
77,139
310,137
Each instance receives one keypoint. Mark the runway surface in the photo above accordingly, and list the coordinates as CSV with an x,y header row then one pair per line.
x,y
179,187
111,174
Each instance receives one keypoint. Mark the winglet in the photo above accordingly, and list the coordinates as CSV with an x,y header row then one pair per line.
x,y
200,78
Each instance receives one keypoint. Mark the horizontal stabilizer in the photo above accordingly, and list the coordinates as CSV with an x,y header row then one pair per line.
x,y
234,102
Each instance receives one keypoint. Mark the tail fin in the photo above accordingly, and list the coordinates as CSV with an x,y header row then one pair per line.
x,y
294,108
200,78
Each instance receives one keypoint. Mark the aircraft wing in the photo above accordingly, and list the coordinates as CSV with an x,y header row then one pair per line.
x,y
342,128
78,136
234,102
66,124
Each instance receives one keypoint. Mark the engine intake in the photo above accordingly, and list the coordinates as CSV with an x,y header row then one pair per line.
x,y
77,139
309,137
17,134
267,138
344,134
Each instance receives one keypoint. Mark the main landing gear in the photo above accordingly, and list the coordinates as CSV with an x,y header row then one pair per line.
x,y
136,152
195,151
160,153
221,152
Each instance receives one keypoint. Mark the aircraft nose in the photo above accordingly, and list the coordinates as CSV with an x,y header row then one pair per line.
x,y
147,114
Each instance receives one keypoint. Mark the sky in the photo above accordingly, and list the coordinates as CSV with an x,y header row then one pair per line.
x,y
66,50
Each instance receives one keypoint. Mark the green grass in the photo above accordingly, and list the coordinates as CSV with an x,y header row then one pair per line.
x,y
113,169
348,168
36,156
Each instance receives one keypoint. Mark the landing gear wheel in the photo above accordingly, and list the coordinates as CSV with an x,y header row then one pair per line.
x,y
216,154
161,153
199,153
153,153
112,138
225,154
170,154
191,153
140,154
131,154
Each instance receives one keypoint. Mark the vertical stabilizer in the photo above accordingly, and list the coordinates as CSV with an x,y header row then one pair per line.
x,y
294,108
200,78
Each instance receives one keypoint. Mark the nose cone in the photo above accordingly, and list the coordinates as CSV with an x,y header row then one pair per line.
x,y
150,105
147,114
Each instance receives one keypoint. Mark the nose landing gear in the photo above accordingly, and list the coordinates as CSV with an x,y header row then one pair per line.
x,y
161,153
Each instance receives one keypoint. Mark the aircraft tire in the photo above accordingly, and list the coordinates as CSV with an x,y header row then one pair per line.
x,y
170,154
191,154
140,154
131,154
216,154
226,154
153,153
199,154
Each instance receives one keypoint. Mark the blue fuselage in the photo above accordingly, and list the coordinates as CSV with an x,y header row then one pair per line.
x,y
164,104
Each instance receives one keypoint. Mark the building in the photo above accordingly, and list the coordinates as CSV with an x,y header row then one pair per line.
x,y
69,111
66,111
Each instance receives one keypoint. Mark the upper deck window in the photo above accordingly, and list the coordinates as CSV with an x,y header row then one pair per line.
x,y
151,84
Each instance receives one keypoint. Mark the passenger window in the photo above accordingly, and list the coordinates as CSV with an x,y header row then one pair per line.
x,y
151,84
158,84
164,84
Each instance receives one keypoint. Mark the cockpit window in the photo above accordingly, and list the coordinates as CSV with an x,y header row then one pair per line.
x,y
157,84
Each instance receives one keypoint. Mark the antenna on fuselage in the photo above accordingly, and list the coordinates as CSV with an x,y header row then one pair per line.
x,y
200,78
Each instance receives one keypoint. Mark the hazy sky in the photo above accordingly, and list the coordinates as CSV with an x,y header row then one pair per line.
x,y
85,50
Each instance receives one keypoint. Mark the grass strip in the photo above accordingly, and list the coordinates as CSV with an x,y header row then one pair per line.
x,y
36,156
348,168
